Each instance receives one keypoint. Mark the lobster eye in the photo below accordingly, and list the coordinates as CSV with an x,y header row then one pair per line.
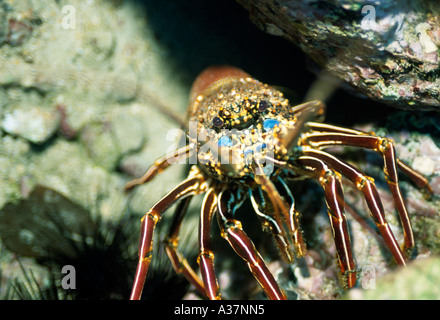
x,y
263,105
217,122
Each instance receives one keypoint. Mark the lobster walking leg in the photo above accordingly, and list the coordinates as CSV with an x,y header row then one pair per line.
x,y
188,187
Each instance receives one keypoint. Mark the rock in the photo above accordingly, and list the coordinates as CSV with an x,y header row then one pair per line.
x,y
119,133
18,32
419,281
34,124
385,49
92,86
75,83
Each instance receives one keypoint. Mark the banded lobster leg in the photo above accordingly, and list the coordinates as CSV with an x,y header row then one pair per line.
x,y
193,185
284,214
324,135
233,232
284,231
159,165
206,256
330,181
366,185
178,261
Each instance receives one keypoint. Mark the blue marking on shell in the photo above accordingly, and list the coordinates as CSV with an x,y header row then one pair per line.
x,y
224,141
270,124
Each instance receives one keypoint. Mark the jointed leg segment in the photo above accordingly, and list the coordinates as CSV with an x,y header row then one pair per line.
x,y
160,165
331,183
283,215
327,135
206,256
232,231
264,212
190,186
180,264
366,186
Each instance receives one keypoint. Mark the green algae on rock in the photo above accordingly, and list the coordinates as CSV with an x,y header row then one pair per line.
x,y
419,281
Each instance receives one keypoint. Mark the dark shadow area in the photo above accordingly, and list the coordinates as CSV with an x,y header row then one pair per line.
x,y
197,34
